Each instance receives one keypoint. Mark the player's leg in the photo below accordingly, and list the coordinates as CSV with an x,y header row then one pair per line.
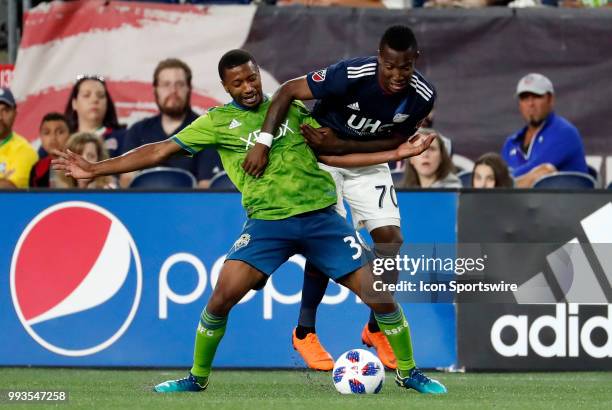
x,y
259,251
371,196
304,338
394,325
236,279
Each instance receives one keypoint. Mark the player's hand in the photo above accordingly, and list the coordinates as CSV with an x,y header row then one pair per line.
x,y
73,165
256,160
322,140
415,145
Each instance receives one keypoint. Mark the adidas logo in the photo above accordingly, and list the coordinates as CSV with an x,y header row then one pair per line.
x,y
564,263
234,124
354,106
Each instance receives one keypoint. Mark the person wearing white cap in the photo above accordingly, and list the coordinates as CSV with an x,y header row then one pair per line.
x,y
548,142
16,155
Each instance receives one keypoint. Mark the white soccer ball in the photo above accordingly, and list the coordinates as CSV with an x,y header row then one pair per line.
x,y
358,371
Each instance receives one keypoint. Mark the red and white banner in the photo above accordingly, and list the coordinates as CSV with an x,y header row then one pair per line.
x,y
123,42
6,75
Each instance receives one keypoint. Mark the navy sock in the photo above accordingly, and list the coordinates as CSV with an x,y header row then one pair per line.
x,y
313,291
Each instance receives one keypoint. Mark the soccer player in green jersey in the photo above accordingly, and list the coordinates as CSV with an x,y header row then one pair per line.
x,y
290,210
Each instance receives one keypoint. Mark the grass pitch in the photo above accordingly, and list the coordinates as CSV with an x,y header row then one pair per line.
x,y
302,389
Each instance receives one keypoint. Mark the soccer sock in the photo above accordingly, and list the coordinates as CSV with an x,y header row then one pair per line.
x,y
210,332
372,323
395,327
301,331
313,291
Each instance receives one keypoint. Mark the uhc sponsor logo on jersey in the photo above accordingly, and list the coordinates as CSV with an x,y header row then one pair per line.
x,y
319,76
74,265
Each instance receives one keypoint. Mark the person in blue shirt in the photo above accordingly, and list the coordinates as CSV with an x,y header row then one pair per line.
x,y
172,88
548,142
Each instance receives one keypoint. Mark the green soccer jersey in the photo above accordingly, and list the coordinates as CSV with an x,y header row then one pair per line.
x,y
292,183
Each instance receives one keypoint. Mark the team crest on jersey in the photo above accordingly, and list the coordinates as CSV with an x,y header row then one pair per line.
x,y
319,76
400,118
243,241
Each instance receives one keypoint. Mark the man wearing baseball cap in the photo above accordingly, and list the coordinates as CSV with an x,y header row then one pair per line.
x,y
548,142
16,155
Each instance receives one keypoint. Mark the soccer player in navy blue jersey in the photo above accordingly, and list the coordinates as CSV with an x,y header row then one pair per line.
x,y
373,105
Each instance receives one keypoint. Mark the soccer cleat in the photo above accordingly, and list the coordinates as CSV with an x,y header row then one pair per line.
x,y
379,341
313,352
419,382
188,383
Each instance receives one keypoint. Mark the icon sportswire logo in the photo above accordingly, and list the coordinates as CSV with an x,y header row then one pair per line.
x,y
579,283
75,264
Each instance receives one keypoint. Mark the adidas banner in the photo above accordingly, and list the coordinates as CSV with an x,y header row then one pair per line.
x,y
556,248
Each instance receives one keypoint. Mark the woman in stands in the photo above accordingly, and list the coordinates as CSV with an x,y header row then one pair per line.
x,y
433,168
90,108
491,171
89,146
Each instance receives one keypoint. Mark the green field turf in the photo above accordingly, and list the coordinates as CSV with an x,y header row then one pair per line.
x,y
301,389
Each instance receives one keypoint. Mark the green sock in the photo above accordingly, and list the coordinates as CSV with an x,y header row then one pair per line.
x,y
210,332
395,327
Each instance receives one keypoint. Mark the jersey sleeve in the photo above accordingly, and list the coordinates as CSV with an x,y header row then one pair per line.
x,y
329,82
198,135
304,114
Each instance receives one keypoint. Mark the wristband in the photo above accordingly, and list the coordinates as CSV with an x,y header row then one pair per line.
x,y
265,138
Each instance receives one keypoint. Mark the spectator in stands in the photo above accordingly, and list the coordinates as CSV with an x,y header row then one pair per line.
x,y
90,108
490,171
172,90
54,133
90,147
433,168
326,3
16,155
548,142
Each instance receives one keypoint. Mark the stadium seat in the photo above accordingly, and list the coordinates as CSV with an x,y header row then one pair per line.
x,y
397,177
566,180
466,178
593,172
163,177
221,182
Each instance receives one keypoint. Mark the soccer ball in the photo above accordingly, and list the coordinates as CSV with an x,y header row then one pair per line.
x,y
358,371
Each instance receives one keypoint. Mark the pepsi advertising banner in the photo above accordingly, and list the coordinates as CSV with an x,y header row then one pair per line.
x,y
120,279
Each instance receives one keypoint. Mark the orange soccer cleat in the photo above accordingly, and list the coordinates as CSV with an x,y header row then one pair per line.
x,y
379,341
313,352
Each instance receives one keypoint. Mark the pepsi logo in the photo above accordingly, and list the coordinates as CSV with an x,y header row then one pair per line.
x,y
76,278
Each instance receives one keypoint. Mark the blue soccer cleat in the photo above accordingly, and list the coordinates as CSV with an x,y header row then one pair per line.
x,y
188,383
419,382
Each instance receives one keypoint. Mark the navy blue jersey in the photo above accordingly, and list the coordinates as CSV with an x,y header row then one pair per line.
x,y
352,102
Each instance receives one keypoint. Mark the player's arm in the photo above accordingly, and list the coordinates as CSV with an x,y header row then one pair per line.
x,y
257,157
329,143
145,156
410,148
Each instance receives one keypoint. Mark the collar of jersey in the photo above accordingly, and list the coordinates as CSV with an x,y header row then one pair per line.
x,y
7,139
521,134
243,108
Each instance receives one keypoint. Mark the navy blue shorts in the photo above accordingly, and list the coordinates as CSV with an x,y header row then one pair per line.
x,y
323,237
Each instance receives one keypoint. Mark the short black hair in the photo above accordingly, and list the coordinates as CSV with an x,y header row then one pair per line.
x,y
399,38
54,116
234,58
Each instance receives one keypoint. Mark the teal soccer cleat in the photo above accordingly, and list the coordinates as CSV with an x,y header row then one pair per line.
x,y
188,383
419,382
